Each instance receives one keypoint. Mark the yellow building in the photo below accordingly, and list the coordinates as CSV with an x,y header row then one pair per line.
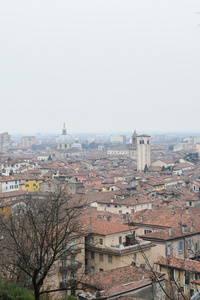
x,y
156,185
31,185
181,274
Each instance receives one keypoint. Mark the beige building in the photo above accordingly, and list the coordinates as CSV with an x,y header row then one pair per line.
x,y
70,266
27,141
124,206
143,151
112,244
118,139
4,138
120,150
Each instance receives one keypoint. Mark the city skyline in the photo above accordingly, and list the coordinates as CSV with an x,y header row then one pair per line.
x,y
99,66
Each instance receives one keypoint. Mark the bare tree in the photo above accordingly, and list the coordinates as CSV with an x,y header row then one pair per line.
x,y
33,238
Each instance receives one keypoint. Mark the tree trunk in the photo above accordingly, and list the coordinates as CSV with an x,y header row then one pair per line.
x,y
36,292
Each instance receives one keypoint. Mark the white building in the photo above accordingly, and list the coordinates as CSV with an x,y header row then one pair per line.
x,y
143,151
10,184
64,141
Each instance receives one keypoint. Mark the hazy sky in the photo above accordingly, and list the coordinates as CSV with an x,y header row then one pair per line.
x,y
99,65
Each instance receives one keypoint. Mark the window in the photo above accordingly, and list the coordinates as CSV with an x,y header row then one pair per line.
x,y
120,240
191,292
108,205
115,205
187,278
189,244
100,257
72,245
64,278
27,185
101,242
100,270
180,246
169,249
72,260
92,270
92,255
197,276
190,203
135,257
196,247
92,241
147,231
64,246
171,274
101,205
72,275
64,262
73,292
110,259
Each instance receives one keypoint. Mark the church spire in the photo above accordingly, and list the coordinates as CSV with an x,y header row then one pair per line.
x,y
64,131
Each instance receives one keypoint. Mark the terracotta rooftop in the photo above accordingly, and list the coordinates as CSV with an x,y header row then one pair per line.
x,y
119,280
180,263
166,216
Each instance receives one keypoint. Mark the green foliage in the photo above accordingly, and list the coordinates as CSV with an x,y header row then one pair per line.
x,y
70,297
12,291
192,157
171,148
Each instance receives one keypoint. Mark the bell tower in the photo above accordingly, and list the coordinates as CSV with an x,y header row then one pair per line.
x,y
143,151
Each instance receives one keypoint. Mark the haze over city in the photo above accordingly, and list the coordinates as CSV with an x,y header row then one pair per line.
x,y
99,66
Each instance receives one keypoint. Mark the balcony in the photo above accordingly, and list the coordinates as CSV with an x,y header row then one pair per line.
x,y
64,284
72,251
73,266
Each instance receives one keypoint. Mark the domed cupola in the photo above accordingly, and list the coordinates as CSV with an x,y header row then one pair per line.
x,y
64,141
76,144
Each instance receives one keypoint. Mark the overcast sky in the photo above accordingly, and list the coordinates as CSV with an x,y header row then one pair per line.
x,y
99,65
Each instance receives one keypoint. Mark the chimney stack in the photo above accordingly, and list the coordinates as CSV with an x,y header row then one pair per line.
x,y
171,232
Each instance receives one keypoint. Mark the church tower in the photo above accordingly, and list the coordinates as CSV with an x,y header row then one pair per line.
x,y
143,152
134,139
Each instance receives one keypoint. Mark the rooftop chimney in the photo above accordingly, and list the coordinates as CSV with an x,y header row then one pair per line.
x,y
171,232
187,210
